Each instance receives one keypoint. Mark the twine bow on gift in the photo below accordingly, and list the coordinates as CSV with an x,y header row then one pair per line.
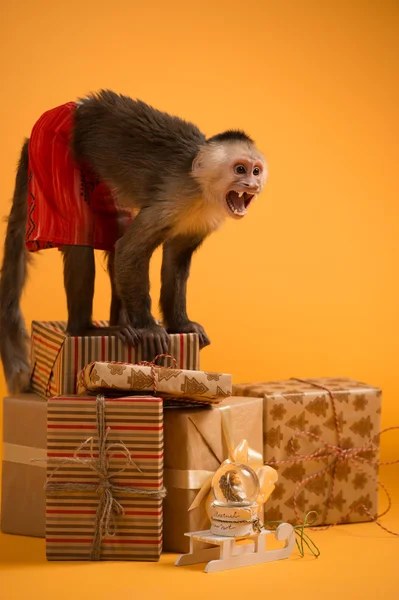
x,y
339,454
108,507
243,454
153,366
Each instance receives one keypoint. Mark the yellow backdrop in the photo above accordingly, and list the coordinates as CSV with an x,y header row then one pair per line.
x,y
307,285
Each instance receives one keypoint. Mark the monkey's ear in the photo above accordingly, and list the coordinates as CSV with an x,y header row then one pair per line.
x,y
198,163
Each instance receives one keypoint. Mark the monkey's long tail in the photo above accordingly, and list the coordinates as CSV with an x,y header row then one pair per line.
x,y
14,338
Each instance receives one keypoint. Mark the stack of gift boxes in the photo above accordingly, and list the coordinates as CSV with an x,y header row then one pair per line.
x,y
108,458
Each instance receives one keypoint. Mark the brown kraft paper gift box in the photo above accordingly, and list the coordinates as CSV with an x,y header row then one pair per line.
x,y
194,448
178,385
292,406
23,505
56,358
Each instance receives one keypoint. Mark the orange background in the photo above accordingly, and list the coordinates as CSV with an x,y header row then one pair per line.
x,y
307,285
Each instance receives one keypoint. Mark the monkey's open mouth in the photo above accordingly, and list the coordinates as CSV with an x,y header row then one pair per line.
x,y
238,202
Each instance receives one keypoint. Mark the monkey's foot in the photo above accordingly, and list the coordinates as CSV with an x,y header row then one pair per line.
x,y
155,340
192,327
128,335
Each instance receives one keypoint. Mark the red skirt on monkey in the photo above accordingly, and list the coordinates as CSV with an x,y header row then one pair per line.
x,y
67,203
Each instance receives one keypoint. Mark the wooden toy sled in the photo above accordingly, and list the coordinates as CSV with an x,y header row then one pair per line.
x,y
224,553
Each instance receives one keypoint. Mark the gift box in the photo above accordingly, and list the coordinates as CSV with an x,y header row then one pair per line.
x,y
169,383
24,439
339,419
57,358
195,446
197,441
104,478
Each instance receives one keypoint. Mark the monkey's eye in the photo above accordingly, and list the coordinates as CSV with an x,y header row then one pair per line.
x,y
240,170
256,171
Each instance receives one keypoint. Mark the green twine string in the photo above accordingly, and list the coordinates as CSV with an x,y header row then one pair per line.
x,y
302,538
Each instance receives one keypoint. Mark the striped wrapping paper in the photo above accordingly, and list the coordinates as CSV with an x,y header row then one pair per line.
x,y
70,516
56,358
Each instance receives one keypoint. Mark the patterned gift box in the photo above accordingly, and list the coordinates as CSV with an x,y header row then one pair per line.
x,y
104,478
179,385
339,485
57,358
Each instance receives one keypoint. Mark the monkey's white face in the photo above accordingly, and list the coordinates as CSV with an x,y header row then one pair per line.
x,y
248,174
232,175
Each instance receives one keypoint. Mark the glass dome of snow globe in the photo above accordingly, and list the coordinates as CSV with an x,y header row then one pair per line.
x,y
235,484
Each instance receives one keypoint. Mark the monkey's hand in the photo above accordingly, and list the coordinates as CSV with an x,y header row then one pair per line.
x,y
192,327
155,340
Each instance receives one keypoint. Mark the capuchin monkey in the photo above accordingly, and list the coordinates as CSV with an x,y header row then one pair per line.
x,y
180,185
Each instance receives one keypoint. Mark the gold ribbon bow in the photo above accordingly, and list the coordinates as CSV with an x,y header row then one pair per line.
x,y
243,454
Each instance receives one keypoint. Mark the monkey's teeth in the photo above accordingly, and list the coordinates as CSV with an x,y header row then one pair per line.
x,y
240,194
239,212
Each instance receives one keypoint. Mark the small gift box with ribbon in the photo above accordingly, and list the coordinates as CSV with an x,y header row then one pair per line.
x,y
57,358
170,383
322,436
197,442
104,485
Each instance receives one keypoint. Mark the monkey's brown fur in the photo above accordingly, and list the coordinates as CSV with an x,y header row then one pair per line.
x,y
184,187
